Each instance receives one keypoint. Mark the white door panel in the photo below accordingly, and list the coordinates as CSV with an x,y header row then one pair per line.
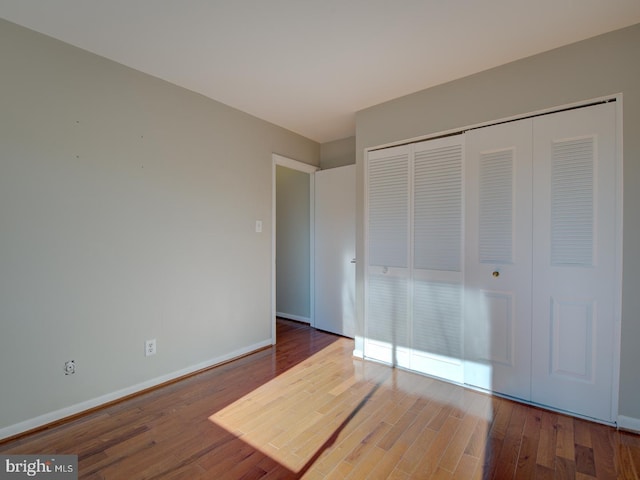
x,y
498,259
413,315
437,258
335,250
574,260
387,258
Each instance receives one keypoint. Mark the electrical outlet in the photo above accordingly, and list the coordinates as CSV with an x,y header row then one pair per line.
x,y
150,347
69,367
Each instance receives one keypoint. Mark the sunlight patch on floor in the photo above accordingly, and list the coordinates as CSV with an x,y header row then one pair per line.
x,y
294,416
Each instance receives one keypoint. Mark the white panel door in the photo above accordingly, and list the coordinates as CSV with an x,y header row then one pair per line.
x,y
335,250
387,256
574,263
498,259
437,258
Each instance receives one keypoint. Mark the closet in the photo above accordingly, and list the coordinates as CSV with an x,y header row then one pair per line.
x,y
491,259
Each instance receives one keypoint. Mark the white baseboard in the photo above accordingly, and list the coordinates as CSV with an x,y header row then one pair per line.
x,y
297,318
629,423
358,353
51,417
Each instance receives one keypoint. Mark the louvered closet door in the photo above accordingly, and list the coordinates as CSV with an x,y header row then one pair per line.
x,y
574,272
498,258
437,260
387,256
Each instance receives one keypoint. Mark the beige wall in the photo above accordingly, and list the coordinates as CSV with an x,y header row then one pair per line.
x,y
338,153
127,212
597,67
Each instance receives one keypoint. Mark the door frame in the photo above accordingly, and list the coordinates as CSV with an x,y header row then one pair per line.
x,y
279,160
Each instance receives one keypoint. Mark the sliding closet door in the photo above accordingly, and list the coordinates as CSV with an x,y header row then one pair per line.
x,y
574,272
437,259
498,258
387,256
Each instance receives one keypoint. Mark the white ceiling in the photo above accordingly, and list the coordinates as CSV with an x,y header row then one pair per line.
x,y
309,65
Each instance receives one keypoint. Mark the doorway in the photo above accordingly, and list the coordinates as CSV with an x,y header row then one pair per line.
x,y
292,241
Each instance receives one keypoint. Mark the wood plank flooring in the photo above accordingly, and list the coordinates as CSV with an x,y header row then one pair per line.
x,y
307,409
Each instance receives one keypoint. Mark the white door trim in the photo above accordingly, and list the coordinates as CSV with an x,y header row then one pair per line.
x,y
617,334
310,170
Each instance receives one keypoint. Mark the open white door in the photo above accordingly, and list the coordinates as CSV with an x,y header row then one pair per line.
x,y
335,250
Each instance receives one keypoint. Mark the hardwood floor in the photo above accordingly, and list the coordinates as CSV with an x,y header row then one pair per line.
x,y
307,409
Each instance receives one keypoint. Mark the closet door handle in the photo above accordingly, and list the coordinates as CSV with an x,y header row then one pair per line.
x,y
495,274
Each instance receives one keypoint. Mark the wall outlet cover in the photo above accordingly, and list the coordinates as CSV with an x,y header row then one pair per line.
x,y
150,347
